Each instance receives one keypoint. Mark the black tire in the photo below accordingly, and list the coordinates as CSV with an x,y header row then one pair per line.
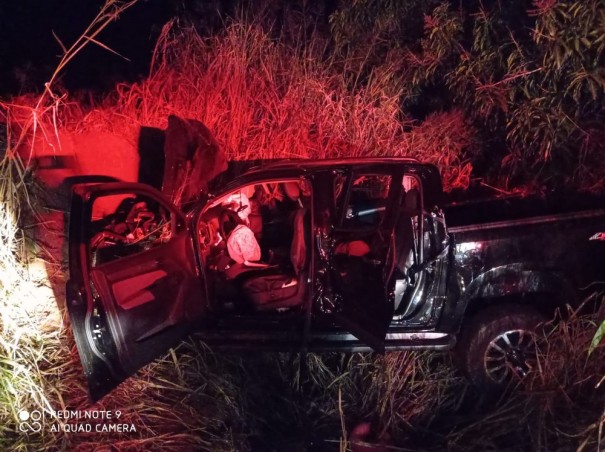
x,y
499,345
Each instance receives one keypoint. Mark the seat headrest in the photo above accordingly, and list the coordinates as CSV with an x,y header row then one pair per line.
x,y
292,190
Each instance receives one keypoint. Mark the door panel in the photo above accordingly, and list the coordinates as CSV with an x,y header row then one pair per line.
x,y
134,290
144,302
364,307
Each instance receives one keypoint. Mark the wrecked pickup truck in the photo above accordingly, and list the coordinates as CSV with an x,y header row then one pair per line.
x,y
344,255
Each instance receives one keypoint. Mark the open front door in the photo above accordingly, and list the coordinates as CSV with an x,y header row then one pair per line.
x,y
134,289
360,244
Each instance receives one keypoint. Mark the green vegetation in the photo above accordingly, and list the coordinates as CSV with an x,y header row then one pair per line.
x,y
529,76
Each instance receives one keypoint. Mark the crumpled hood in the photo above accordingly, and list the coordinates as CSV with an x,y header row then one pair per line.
x,y
192,159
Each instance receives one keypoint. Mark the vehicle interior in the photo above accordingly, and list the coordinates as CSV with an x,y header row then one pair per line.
x,y
254,241
125,224
254,245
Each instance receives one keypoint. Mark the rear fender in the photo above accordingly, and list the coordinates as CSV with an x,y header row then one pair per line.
x,y
518,281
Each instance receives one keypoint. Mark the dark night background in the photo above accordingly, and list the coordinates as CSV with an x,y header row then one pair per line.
x,y
29,52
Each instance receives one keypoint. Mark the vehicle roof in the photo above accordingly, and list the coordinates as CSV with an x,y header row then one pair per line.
x,y
246,166
242,169
332,161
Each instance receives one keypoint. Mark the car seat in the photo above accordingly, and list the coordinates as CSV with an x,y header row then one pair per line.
x,y
277,288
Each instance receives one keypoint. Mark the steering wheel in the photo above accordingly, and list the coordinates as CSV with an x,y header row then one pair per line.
x,y
226,216
206,233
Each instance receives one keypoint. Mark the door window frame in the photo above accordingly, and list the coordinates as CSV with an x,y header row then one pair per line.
x,y
177,222
395,191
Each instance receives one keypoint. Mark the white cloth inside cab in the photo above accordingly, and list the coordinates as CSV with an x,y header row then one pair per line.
x,y
242,245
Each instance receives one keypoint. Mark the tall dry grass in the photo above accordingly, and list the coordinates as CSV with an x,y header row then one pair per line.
x,y
264,99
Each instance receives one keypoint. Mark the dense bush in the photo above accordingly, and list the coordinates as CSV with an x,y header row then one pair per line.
x,y
530,76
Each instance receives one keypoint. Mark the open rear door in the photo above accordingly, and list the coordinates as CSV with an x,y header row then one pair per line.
x,y
360,283
134,289
359,251
366,314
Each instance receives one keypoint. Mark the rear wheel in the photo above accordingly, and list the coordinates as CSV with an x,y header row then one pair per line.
x,y
499,345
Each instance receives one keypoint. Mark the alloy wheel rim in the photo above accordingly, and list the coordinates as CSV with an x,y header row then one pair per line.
x,y
511,355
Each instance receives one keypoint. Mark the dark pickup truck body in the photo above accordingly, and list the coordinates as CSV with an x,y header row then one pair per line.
x,y
544,250
356,255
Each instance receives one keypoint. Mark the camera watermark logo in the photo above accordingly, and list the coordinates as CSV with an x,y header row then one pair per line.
x,y
73,421
30,421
